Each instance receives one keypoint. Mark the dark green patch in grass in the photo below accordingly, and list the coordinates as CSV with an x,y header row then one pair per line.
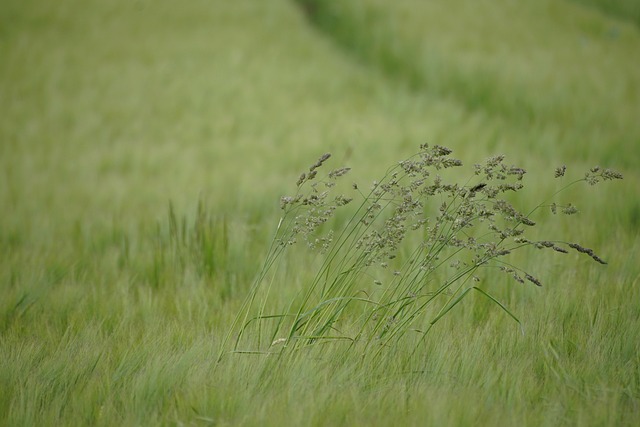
x,y
627,10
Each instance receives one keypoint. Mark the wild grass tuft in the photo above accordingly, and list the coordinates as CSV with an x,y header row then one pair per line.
x,y
416,244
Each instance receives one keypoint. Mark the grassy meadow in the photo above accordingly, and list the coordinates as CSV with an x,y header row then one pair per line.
x,y
144,148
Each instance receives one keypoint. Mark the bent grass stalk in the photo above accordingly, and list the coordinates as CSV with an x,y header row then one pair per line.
x,y
396,227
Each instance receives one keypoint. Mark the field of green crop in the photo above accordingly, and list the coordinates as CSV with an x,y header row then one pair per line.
x,y
144,148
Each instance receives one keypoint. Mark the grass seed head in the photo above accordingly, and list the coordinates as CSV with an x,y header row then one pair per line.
x,y
456,230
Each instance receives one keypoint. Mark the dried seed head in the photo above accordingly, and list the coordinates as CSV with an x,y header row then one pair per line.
x,y
439,150
527,221
560,171
320,161
516,171
477,187
338,172
596,174
598,259
591,179
285,200
611,174
587,251
581,249
533,280
341,200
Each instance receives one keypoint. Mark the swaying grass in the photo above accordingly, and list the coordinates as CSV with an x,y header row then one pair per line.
x,y
143,146
471,233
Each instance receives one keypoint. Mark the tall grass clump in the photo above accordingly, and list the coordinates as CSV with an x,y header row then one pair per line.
x,y
413,245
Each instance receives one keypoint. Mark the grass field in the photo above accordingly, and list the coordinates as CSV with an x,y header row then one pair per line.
x,y
144,147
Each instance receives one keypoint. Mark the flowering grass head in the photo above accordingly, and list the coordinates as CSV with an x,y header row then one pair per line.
x,y
415,245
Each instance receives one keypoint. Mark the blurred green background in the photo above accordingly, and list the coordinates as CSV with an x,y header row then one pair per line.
x,y
112,110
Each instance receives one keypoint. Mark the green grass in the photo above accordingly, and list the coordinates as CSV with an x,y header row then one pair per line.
x,y
143,150
628,10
